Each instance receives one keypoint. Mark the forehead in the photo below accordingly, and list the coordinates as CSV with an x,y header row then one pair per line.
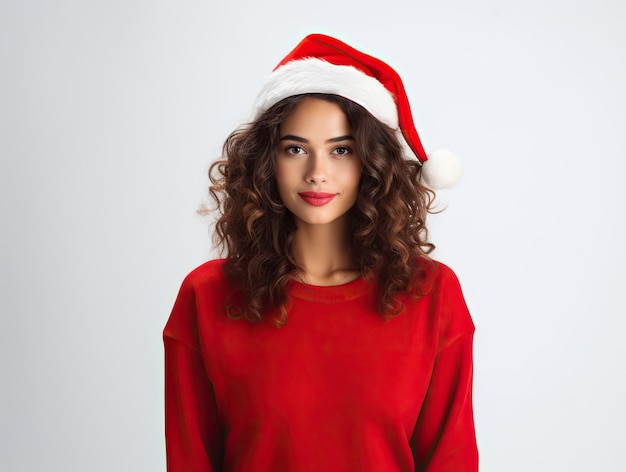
x,y
314,115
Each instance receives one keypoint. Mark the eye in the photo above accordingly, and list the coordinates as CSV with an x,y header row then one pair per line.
x,y
342,151
294,150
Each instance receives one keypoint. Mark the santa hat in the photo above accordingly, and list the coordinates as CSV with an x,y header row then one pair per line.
x,y
322,64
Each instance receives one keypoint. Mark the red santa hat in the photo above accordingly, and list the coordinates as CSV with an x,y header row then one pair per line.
x,y
322,64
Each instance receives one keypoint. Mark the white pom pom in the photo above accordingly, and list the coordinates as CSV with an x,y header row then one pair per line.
x,y
441,170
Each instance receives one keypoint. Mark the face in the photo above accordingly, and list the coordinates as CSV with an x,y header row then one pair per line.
x,y
317,166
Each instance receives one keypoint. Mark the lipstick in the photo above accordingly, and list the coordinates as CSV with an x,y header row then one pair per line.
x,y
317,198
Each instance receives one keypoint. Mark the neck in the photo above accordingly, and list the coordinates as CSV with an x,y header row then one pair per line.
x,y
324,253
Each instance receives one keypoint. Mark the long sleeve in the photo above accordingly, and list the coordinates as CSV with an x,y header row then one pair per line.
x,y
444,439
192,428
193,436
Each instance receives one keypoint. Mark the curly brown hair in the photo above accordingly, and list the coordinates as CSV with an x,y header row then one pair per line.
x,y
256,230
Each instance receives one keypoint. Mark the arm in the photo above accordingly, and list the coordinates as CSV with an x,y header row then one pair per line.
x,y
193,435
444,439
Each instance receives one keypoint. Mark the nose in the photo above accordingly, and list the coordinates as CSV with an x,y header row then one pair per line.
x,y
317,169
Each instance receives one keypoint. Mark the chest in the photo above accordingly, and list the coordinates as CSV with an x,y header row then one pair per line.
x,y
328,360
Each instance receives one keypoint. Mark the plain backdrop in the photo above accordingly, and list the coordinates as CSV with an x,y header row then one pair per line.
x,y
111,112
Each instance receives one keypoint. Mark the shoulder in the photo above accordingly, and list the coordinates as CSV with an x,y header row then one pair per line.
x,y
441,291
446,277
208,274
205,282
434,276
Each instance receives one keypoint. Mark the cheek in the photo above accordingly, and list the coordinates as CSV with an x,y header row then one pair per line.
x,y
284,176
353,178
279,174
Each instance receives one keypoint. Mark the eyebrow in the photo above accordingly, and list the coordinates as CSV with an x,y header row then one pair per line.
x,y
291,137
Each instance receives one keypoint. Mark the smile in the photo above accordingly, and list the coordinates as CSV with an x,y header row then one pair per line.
x,y
317,198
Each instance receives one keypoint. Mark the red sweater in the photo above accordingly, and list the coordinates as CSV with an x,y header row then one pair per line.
x,y
338,388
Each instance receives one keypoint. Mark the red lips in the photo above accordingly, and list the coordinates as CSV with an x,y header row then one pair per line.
x,y
317,198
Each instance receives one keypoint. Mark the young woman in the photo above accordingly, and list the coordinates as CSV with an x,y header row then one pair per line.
x,y
327,340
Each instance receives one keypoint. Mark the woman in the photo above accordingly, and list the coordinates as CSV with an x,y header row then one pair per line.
x,y
327,340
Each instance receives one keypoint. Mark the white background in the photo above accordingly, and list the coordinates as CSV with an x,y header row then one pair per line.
x,y
111,112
